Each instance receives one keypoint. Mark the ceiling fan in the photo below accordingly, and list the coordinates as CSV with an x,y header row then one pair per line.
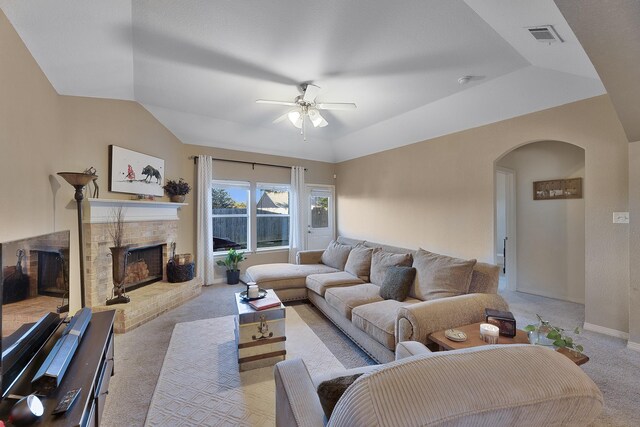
x,y
305,107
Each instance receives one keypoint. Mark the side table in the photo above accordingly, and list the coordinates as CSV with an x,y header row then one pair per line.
x,y
474,340
260,335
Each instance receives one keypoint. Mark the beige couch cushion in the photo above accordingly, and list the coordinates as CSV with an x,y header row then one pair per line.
x,y
319,283
440,276
380,260
484,279
283,276
378,319
359,262
336,255
346,299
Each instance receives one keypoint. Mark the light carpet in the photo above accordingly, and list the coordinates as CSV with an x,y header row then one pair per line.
x,y
199,384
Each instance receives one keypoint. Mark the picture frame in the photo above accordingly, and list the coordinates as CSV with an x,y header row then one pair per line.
x,y
132,172
556,189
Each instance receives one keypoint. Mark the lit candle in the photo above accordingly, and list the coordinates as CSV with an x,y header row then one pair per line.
x,y
253,291
489,333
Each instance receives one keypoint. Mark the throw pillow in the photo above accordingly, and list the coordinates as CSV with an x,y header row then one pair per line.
x,y
397,282
359,262
336,255
330,392
380,260
440,276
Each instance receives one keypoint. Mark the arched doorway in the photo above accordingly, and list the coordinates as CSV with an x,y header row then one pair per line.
x,y
545,239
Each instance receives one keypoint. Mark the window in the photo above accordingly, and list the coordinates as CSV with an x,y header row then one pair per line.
x,y
272,216
230,219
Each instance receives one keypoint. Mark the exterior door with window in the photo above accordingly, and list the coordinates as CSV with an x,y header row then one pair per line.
x,y
321,216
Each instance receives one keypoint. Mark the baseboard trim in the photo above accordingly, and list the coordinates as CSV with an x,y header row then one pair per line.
x,y
633,345
606,331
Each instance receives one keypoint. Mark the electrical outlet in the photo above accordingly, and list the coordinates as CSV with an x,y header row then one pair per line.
x,y
621,217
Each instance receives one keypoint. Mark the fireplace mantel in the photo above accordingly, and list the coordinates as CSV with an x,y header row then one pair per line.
x,y
99,211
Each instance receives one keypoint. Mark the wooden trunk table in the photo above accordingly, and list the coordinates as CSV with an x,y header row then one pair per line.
x,y
260,335
474,340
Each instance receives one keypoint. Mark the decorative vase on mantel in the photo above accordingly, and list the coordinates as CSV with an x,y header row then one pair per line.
x,y
119,257
177,198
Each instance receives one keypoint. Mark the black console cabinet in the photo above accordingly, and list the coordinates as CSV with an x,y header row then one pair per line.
x,y
91,369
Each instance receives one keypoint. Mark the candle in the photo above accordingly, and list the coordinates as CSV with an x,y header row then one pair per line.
x,y
489,333
253,291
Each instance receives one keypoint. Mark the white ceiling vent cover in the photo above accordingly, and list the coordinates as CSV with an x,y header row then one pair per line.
x,y
545,34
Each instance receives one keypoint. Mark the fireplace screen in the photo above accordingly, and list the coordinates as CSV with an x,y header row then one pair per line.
x,y
144,267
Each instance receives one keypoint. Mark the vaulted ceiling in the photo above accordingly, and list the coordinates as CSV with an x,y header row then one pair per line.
x,y
199,65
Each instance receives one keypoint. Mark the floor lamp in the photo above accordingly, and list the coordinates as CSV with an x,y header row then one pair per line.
x,y
79,180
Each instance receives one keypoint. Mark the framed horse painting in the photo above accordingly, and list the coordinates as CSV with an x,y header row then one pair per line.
x,y
135,173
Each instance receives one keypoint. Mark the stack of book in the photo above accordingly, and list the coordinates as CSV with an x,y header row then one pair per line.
x,y
265,303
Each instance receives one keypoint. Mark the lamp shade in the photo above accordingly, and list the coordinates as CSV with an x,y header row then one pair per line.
x,y
77,178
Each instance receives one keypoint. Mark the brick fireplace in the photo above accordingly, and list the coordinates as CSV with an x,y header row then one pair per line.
x,y
149,226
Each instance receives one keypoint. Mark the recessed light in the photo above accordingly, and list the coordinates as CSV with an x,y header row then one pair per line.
x,y
464,80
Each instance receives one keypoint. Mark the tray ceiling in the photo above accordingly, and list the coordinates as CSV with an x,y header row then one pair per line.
x,y
198,66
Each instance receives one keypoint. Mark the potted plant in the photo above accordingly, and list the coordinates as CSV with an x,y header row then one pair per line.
x,y
548,334
177,189
230,262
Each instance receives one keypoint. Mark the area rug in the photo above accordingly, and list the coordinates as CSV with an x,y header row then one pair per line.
x,y
199,384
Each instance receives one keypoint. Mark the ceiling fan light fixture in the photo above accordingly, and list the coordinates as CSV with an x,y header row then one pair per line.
x,y
295,118
316,118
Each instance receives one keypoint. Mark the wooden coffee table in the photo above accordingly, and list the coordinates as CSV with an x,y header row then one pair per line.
x,y
474,340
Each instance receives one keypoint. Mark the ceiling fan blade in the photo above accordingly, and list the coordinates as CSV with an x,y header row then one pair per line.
x,y
267,101
282,117
310,93
336,106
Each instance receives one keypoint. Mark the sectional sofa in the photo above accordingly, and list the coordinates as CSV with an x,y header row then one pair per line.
x,y
344,282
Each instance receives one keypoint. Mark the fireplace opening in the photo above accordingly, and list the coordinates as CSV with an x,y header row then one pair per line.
x,y
144,267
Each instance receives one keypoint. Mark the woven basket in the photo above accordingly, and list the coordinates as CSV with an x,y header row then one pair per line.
x,y
180,273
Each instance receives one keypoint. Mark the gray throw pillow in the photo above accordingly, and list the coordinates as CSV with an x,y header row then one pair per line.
x,y
440,276
336,255
380,260
397,282
359,262
331,390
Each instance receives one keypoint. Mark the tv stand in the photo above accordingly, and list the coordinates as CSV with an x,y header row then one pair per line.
x,y
90,369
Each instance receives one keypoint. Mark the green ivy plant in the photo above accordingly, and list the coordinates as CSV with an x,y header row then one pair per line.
x,y
232,260
557,335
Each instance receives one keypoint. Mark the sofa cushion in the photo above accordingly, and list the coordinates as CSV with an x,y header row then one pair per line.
x,y
346,299
397,282
319,283
336,255
283,276
380,260
440,276
330,391
484,279
359,262
378,319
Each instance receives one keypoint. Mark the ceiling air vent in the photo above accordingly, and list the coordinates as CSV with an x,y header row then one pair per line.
x,y
545,34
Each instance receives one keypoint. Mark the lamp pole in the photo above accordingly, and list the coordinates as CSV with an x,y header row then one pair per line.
x,y
79,180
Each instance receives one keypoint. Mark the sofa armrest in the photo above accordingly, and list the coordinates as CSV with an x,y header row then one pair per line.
x,y
309,257
416,322
406,349
297,402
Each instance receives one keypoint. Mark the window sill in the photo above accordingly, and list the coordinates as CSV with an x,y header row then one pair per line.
x,y
278,249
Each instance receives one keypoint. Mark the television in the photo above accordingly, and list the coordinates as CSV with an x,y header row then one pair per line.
x,y
34,288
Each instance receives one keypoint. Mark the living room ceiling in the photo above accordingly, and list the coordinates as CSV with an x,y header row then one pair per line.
x,y
199,65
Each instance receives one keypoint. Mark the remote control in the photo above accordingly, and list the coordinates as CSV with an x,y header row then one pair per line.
x,y
66,401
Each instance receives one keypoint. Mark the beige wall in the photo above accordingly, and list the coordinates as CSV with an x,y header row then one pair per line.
x,y
550,233
634,242
42,133
316,173
439,194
